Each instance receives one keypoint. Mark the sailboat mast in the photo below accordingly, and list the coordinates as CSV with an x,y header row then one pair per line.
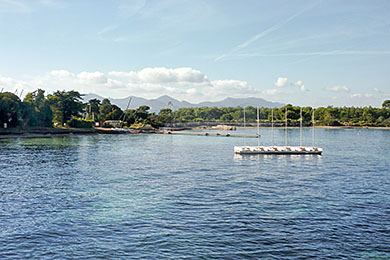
x,y
300,130
285,129
313,127
124,114
244,119
272,115
258,127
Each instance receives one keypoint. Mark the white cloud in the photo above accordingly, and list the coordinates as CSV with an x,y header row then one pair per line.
x,y
61,74
162,75
303,88
271,92
115,84
377,90
298,83
233,86
193,91
92,77
7,83
360,95
123,74
338,89
145,89
219,89
181,83
281,82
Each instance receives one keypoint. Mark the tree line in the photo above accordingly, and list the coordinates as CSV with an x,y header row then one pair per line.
x,y
66,109
326,116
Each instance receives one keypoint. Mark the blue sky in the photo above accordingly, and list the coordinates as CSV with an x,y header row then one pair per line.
x,y
301,52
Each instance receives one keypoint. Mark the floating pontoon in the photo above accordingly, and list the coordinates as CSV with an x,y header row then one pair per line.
x,y
299,150
277,150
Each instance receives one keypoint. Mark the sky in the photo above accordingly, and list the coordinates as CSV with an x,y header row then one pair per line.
x,y
301,52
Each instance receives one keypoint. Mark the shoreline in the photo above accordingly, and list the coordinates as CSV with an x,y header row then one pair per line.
x,y
50,132
323,127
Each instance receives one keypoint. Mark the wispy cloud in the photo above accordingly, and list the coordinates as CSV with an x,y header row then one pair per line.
x,y
107,29
338,89
124,12
316,53
24,6
313,41
361,95
258,36
14,6
53,3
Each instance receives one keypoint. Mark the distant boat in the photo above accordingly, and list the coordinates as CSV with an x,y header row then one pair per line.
x,y
279,150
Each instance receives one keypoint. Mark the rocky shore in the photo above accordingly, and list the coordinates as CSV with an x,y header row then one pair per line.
x,y
44,132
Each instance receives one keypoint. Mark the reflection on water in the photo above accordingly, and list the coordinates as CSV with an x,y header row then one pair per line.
x,y
284,157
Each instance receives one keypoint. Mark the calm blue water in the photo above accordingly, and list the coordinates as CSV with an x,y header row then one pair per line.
x,y
175,197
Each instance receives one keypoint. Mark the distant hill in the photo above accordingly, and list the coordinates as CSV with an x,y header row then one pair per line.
x,y
162,102
233,102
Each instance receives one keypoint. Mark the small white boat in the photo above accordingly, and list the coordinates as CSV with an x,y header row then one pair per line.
x,y
299,150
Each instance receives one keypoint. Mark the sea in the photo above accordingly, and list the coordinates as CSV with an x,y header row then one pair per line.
x,y
150,196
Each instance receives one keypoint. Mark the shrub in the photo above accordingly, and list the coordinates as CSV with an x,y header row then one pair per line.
x,y
80,123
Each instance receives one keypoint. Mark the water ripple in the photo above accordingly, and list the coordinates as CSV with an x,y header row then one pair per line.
x,y
175,197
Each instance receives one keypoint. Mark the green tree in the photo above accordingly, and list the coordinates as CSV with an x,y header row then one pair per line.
x,y
238,114
106,101
92,108
282,112
129,117
331,116
386,104
369,117
65,104
104,109
108,111
165,116
226,118
36,110
142,112
10,109
115,113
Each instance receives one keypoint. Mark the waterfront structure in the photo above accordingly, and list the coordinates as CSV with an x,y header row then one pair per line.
x,y
279,149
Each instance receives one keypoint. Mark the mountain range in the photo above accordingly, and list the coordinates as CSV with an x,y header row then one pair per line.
x,y
162,102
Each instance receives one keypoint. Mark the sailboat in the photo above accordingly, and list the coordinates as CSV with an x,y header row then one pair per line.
x,y
259,149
